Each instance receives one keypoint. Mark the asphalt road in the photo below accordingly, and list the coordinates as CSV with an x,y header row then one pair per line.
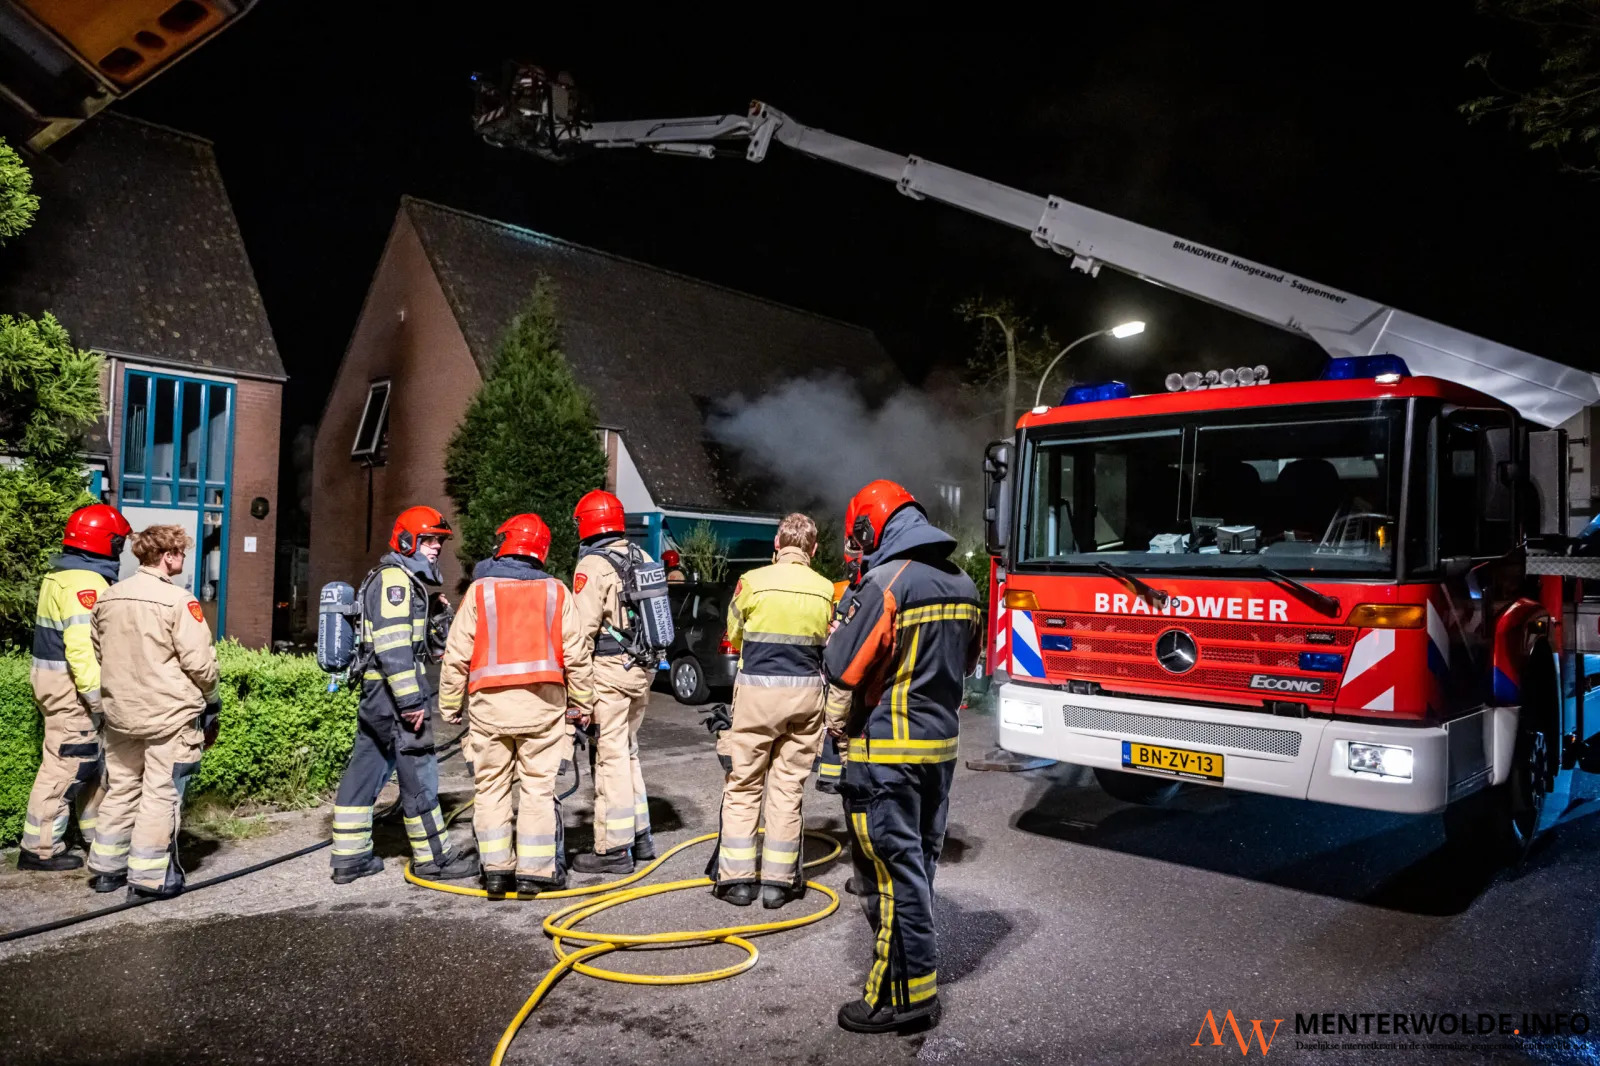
x,y
1074,929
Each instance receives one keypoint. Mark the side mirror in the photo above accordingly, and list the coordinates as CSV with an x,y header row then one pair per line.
x,y
1455,566
997,462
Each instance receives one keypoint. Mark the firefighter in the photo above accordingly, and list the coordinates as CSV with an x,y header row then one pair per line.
x,y
393,732
158,691
896,666
778,621
66,685
622,689
517,655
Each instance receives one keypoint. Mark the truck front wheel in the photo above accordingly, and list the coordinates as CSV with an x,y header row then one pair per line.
x,y
1499,823
1135,788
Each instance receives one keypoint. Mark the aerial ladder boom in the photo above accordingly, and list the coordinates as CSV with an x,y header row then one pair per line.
x,y
544,115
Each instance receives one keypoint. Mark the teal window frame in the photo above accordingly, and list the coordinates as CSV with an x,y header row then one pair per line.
x,y
205,478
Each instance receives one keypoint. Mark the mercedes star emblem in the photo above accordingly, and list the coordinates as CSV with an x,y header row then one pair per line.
x,y
1176,651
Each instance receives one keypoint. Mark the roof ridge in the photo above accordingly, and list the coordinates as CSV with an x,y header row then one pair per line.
x,y
134,120
407,199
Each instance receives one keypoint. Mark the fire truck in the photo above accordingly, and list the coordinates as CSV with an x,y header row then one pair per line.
x,y
1357,590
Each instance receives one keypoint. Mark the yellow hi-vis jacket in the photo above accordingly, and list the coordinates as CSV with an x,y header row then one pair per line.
x,y
779,622
66,671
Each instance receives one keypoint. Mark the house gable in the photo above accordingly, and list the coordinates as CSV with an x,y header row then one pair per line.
x,y
406,334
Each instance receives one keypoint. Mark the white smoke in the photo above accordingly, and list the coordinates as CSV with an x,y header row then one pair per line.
x,y
821,441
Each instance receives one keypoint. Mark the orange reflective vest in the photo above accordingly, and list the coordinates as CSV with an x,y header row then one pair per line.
x,y
518,639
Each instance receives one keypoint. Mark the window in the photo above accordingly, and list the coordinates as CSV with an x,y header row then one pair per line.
x,y
176,438
1474,514
374,429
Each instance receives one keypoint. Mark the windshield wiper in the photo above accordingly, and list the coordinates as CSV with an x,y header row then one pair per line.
x,y
1319,602
1149,593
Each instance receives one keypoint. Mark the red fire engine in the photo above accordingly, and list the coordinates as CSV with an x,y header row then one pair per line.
x,y
1349,590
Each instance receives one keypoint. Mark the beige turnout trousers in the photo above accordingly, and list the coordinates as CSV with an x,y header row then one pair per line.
x,y
621,805
776,734
137,830
501,761
71,773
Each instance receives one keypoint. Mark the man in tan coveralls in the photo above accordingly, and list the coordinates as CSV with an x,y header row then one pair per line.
x,y
517,658
779,622
622,689
158,689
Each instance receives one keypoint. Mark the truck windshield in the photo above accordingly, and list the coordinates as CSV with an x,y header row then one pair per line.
x,y
1298,490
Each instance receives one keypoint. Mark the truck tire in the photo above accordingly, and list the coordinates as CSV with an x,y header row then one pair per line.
x,y
1136,788
1498,824
689,681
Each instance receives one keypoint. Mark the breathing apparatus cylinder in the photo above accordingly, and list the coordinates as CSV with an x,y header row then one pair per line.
x,y
647,595
336,629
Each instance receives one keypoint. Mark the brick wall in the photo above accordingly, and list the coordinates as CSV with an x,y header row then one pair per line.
x,y
408,334
256,420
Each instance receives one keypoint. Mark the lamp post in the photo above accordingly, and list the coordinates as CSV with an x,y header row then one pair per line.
x,y
1126,329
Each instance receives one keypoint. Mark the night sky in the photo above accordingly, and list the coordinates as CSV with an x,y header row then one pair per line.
x,y
1329,147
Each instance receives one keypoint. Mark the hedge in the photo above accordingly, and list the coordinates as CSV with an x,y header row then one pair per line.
x,y
283,739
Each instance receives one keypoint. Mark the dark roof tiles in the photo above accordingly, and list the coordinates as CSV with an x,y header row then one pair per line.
x,y
136,250
657,350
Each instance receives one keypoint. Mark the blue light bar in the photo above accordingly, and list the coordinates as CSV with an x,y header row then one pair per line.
x,y
1055,642
1104,390
1323,661
1351,367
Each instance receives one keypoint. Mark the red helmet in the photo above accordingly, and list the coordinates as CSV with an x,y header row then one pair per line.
x,y
869,511
416,522
599,512
523,534
98,529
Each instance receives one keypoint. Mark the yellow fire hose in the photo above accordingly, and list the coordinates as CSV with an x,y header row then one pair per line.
x,y
562,924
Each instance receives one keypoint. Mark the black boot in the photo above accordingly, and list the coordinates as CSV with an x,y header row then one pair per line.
x,y
532,886
616,861
455,867
740,894
855,887
344,875
500,882
164,892
859,1017
108,882
775,896
27,860
644,847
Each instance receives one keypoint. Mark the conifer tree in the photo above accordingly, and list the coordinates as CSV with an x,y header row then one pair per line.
x,y
527,441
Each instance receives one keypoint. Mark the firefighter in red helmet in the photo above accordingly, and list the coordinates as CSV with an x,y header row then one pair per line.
x,y
622,687
517,654
66,685
896,667
400,624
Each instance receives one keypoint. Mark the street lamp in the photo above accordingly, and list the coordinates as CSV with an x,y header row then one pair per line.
x,y
1125,330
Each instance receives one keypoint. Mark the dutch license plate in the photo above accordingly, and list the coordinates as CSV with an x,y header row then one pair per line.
x,y
1176,761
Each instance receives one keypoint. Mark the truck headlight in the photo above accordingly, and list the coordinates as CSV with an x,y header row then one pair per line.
x,y
1381,759
1022,714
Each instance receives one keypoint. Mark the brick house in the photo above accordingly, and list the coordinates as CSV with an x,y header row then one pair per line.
x,y
137,252
655,349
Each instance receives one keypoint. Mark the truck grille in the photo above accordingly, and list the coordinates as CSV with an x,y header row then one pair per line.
x,y
1183,731
1119,647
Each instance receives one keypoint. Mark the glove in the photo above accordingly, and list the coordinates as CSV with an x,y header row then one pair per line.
x,y
718,719
211,721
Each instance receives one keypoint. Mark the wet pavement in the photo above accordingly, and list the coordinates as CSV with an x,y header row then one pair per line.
x,y
1074,929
